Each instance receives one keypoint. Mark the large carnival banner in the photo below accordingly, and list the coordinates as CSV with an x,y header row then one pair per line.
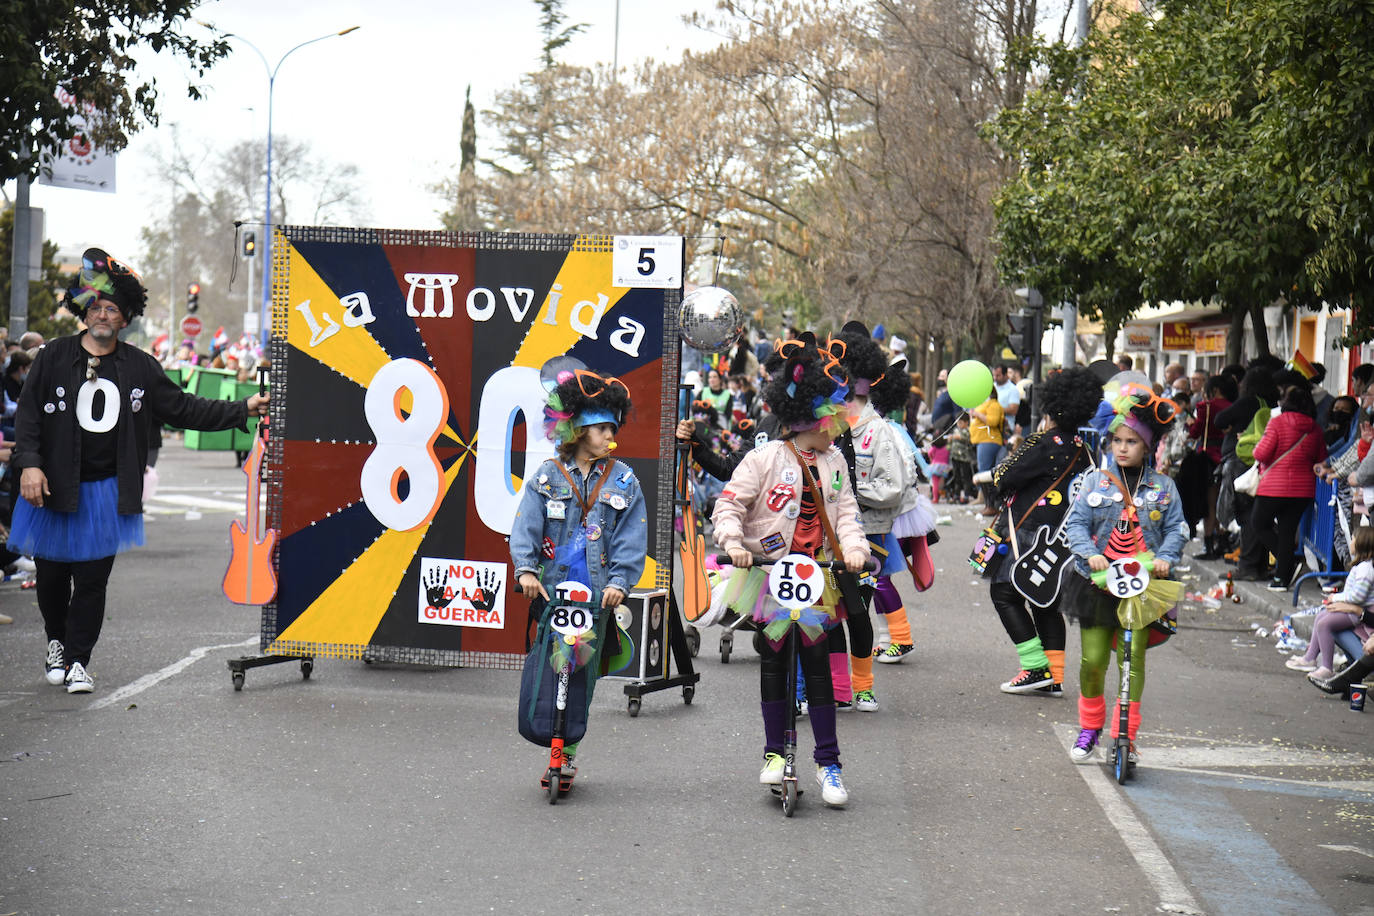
x,y
407,410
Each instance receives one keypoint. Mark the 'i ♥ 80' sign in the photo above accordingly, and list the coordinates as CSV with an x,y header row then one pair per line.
x,y
407,412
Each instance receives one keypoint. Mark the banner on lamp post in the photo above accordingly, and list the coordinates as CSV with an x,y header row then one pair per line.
x,y
79,164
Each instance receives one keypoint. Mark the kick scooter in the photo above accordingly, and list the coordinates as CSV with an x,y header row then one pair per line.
x,y
568,620
789,791
1121,749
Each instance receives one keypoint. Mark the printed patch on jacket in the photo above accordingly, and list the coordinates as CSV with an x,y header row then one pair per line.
x,y
772,542
780,495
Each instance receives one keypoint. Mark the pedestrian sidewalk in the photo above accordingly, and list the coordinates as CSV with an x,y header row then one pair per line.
x,y
1257,605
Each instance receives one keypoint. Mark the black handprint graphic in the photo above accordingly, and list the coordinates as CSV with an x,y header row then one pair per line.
x,y
435,582
488,585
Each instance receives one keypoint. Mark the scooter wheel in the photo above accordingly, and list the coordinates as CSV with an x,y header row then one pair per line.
x,y
789,797
1120,761
553,776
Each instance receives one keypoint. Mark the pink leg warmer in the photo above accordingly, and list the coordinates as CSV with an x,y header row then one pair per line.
x,y
839,676
1092,712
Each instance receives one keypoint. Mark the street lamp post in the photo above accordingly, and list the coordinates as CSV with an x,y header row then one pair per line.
x,y
264,322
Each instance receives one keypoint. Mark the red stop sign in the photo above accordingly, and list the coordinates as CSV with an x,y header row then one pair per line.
x,y
191,326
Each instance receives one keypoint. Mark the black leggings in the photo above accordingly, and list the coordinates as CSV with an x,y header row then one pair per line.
x,y
815,665
1023,620
860,641
71,597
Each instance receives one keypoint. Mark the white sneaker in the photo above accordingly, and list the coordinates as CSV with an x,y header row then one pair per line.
x,y
771,774
78,680
54,670
1298,663
832,786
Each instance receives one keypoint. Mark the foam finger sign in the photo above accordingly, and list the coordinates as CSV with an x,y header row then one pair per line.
x,y
796,581
1127,577
571,620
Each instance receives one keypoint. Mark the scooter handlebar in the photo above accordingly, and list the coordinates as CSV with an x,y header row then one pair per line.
x,y
870,565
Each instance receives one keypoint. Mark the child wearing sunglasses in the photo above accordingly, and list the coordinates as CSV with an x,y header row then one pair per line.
x,y
768,508
582,515
1118,508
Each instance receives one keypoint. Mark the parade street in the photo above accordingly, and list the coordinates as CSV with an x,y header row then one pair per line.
x,y
390,789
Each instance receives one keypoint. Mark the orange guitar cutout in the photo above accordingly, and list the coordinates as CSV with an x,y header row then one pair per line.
x,y
250,578
696,588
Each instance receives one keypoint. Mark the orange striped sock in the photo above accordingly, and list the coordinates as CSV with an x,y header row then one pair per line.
x,y
899,627
863,672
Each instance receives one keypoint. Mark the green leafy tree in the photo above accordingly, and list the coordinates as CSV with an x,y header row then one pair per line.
x,y
45,315
1215,152
85,48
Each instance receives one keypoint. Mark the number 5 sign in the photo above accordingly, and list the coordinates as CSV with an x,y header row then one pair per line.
x,y
407,416
647,261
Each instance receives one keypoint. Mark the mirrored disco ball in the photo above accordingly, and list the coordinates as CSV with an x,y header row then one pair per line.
x,y
711,319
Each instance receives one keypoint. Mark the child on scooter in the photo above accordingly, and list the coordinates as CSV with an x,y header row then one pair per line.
x,y
582,515
769,509
1117,507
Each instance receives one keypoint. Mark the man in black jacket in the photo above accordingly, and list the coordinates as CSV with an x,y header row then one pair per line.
x,y
81,434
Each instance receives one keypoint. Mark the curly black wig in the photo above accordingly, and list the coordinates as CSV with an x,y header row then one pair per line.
x,y
860,355
890,393
104,277
1070,397
807,385
583,398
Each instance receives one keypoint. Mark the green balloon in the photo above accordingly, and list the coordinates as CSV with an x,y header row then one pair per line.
x,y
970,383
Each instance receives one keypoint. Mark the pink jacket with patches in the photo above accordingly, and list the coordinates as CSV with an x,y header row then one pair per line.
x,y
754,502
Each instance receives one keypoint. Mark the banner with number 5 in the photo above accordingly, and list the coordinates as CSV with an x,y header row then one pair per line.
x,y
407,411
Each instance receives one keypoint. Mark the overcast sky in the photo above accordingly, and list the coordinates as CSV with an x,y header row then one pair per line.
x,y
387,97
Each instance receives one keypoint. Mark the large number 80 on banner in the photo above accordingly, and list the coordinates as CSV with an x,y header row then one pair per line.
x,y
407,409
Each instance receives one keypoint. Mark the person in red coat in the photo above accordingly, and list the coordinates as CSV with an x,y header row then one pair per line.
x,y
1291,445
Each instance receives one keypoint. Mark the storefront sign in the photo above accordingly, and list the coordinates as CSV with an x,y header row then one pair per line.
x,y
1141,337
1176,336
1210,341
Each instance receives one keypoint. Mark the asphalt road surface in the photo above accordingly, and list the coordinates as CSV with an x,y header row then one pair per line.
x,y
388,789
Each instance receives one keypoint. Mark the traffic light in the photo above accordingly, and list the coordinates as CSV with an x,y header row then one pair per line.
x,y
1023,340
250,244
192,298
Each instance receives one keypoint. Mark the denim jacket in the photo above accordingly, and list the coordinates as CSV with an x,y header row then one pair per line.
x,y
615,558
1088,526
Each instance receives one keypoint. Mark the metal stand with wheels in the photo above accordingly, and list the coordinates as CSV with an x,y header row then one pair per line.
x,y
686,678
239,666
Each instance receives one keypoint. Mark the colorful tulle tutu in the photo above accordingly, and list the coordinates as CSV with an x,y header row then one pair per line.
x,y
747,595
93,531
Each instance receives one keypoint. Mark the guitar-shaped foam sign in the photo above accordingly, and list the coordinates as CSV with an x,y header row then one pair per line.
x,y
1039,572
250,578
696,588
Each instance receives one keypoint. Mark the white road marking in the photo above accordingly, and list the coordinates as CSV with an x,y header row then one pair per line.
x,y
1173,894
1363,852
1256,755
199,502
149,680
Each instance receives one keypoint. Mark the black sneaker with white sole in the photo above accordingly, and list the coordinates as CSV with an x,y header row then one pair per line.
x,y
79,680
1054,690
54,666
1028,681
